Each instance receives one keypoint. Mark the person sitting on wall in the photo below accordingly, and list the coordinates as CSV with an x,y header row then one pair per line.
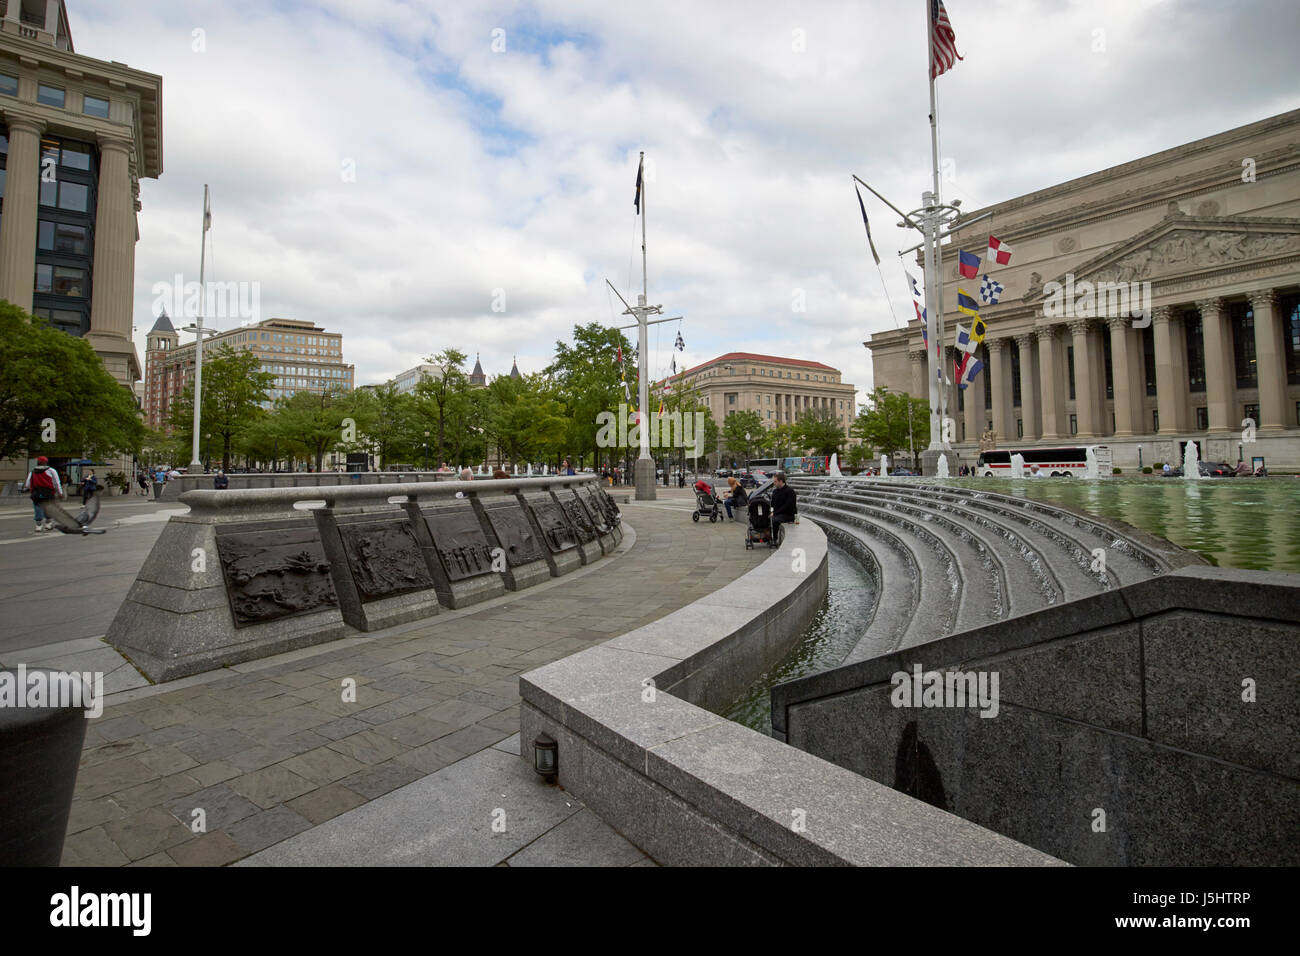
x,y
465,475
785,509
220,481
736,498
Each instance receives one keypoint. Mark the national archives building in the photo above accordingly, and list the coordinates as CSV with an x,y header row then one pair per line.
x,y
1207,235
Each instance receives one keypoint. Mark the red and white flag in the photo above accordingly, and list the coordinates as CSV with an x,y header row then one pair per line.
x,y
999,252
943,41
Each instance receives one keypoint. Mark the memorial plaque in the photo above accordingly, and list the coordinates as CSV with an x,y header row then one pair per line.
x,y
460,542
515,534
555,529
385,558
596,508
578,515
275,574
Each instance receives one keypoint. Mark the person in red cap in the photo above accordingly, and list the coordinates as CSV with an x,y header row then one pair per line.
x,y
44,485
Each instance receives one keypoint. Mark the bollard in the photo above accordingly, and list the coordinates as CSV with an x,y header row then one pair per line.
x,y
40,749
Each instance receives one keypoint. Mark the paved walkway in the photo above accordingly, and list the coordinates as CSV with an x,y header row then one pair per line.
x,y
269,749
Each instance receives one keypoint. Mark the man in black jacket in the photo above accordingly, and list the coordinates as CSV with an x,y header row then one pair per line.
x,y
784,507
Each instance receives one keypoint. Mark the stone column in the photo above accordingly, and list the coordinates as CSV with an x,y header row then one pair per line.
x,y
918,374
1000,372
21,203
974,413
1085,394
1165,385
110,308
1028,385
1049,381
1120,375
1220,375
1270,361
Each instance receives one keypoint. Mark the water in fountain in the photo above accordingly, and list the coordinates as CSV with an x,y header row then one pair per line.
x,y
834,469
941,469
884,465
1017,465
1090,469
1191,460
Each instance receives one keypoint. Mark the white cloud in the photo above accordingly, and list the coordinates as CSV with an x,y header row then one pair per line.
x,y
478,170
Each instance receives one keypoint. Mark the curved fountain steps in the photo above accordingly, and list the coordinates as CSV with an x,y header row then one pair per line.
x,y
1113,539
1031,583
1011,556
1070,560
895,573
977,588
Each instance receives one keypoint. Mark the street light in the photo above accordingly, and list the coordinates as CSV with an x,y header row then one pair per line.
x,y
426,451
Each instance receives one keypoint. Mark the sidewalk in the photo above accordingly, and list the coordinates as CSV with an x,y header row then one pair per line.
x,y
271,749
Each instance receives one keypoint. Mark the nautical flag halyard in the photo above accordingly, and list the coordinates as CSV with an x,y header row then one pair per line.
x,y
943,41
990,291
999,252
966,304
968,264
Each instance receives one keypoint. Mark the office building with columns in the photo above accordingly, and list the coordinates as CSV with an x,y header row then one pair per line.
x,y
76,137
778,389
1208,236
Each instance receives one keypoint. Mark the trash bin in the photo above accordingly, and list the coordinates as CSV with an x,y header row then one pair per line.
x,y
40,749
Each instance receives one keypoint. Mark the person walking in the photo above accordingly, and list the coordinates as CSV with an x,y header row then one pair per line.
x,y
142,480
44,485
89,485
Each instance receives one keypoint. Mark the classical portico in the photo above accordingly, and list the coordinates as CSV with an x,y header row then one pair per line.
x,y
1210,264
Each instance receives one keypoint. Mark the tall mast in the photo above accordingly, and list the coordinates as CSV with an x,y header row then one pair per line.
x,y
195,464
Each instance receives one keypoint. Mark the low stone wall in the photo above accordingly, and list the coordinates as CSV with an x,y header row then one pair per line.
x,y
309,479
1151,725
637,745
252,572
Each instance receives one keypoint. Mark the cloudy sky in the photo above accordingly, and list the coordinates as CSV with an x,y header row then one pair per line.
x,y
391,168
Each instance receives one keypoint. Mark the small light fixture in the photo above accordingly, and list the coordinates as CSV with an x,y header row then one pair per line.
x,y
546,757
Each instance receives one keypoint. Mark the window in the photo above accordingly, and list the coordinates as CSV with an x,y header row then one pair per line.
x,y
1155,420
62,238
74,196
1020,428
1149,359
94,106
44,278
1074,424
1289,309
76,155
1243,344
1069,360
1195,351
8,84
50,95
1202,418
1252,412
1110,375
1015,375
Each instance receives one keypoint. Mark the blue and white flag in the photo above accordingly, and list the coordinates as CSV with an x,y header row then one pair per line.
x,y
972,369
916,290
990,290
680,344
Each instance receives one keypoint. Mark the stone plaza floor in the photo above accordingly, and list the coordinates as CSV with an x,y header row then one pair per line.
x,y
419,769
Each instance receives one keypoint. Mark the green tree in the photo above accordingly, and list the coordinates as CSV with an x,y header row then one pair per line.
x,y
883,422
734,429
818,431
234,388
309,423
524,418
587,380
440,400
55,395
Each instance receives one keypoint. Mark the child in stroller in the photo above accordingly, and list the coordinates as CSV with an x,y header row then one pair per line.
x,y
707,503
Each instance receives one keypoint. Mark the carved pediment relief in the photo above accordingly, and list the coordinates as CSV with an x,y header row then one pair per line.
x,y
1187,250
1180,245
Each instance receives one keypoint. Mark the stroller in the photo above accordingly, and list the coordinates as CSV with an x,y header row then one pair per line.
x,y
759,530
707,503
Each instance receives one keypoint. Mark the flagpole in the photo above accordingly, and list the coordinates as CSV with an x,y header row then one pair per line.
x,y
933,289
195,465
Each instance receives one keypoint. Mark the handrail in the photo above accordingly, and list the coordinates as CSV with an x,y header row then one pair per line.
x,y
210,500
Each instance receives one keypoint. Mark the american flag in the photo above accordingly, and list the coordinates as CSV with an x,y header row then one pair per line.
x,y
943,41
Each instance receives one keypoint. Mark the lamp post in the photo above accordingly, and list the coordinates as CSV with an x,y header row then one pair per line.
x,y
1139,459
426,452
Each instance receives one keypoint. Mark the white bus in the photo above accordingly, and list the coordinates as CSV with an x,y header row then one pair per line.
x,y
1051,462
